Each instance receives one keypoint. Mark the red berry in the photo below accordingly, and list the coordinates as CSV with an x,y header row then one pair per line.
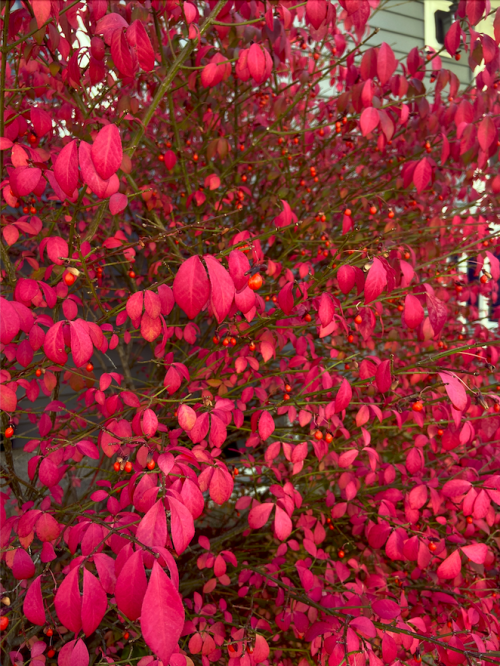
x,y
417,406
89,367
32,138
131,274
128,467
226,342
341,554
116,466
288,388
328,437
350,338
373,210
432,546
49,632
255,281
233,342
151,464
252,346
38,372
51,653
483,279
318,435
4,622
348,212
9,432
308,317
286,396
32,210
469,520
358,319
215,340
126,635
69,279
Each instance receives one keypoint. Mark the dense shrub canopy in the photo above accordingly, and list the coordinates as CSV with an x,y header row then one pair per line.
x,y
249,393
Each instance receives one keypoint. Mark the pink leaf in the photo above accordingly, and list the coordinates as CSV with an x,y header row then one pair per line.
x,y
41,10
107,151
181,525
266,425
33,603
451,566
383,377
476,552
347,458
282,524
94,603
8,398
326,309
24,180
123,58
186,417
452,38
344,396
117,203
138,37
486,133
386,63
221,486
375,281
131,586
316,11
53,345
108,24
22,566
68,602
222,288
455,390
149,423
88,171
369,120
260,648
456,487
57,249
386,609
9,322
285,298
346,277
40,119
152,530
162,616
256,63
364,626
259,515
413,312
191,287
66,168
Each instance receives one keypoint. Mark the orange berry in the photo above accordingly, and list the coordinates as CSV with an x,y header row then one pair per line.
x,y
128,467
226,342
131,274
69,279
286,396
328,437
89,367
255,281
373,210
252,346
233,342
469,520
358,319
318,435
151,464
215,340
288,388
348,212
432,546
417,406
116,466
9,432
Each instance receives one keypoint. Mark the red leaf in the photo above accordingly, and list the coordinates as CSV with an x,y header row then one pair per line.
x,y
9,322
375,281
66,168
413,312
476,552
451,566
369,120
94,603
256,63
41,10
259,515
191,287
222,288
131,586
455,390
8,399
386,609
53,344
33,603
346,277
386,63
475,10
68,602
456,487
266,425
316,11
486,133
107,151
162,616
383,377
282,524
285,298
181,525
108,24
221,486
124,60
88,171
24,180
347,458
364,626
152,530
326,309
138,37
343,397
81,344
452,38
422,174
